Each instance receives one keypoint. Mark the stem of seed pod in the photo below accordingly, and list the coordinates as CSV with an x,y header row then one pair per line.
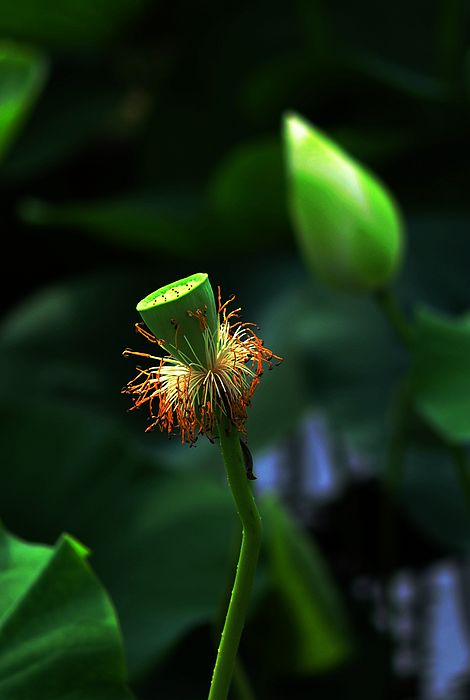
x,y
241,686
247,562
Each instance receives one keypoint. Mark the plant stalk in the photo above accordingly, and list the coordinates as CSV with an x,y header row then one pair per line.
x,y
240,681
395,316
247,562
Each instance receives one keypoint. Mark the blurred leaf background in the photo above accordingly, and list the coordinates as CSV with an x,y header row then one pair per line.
x,y
141,142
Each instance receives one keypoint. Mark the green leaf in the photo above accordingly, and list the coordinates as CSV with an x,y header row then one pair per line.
x,y
433,498
147,223
59,636
180,223
373,146
340,359
347,224
69,24
400,79
277,81
441,373
281,397
22,75
160,539
319,636
247,190
177,542
69,116
436,272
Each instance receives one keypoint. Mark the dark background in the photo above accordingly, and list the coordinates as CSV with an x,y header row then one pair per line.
x,y
154,151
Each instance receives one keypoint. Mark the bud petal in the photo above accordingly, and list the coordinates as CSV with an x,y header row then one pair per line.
x,y
179,314
347,224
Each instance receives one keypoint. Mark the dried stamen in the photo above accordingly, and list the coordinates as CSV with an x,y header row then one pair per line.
x,y
193,397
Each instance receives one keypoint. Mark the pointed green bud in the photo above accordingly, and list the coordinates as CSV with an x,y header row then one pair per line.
x,y
179,315
347,224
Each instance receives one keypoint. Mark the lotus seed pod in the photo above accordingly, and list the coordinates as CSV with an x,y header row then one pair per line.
x,y
181,314
214,362
348,227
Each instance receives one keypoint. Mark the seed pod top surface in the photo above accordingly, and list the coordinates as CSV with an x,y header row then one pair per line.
x,y
179,314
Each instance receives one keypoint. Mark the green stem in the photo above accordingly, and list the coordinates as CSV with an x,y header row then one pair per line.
x,y
395,316
241,684
248,559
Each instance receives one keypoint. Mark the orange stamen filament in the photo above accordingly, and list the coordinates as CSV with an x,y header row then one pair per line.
x,y
194,397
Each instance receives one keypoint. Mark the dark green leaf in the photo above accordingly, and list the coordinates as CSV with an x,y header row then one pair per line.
x,y
434,500
69,115
373,146
22,75
58,632
177,223
398,78
340,358
319,630
438,258
139,223
247,191
68,24
274,84
441,373
161,540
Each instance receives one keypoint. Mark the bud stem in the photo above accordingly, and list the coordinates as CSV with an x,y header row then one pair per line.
x,y
248,559
395,316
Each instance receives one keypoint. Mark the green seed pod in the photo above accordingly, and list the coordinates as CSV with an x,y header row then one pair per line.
x,y
347,224
179,315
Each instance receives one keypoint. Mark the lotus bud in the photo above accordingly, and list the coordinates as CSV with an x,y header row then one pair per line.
x,y
348,227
